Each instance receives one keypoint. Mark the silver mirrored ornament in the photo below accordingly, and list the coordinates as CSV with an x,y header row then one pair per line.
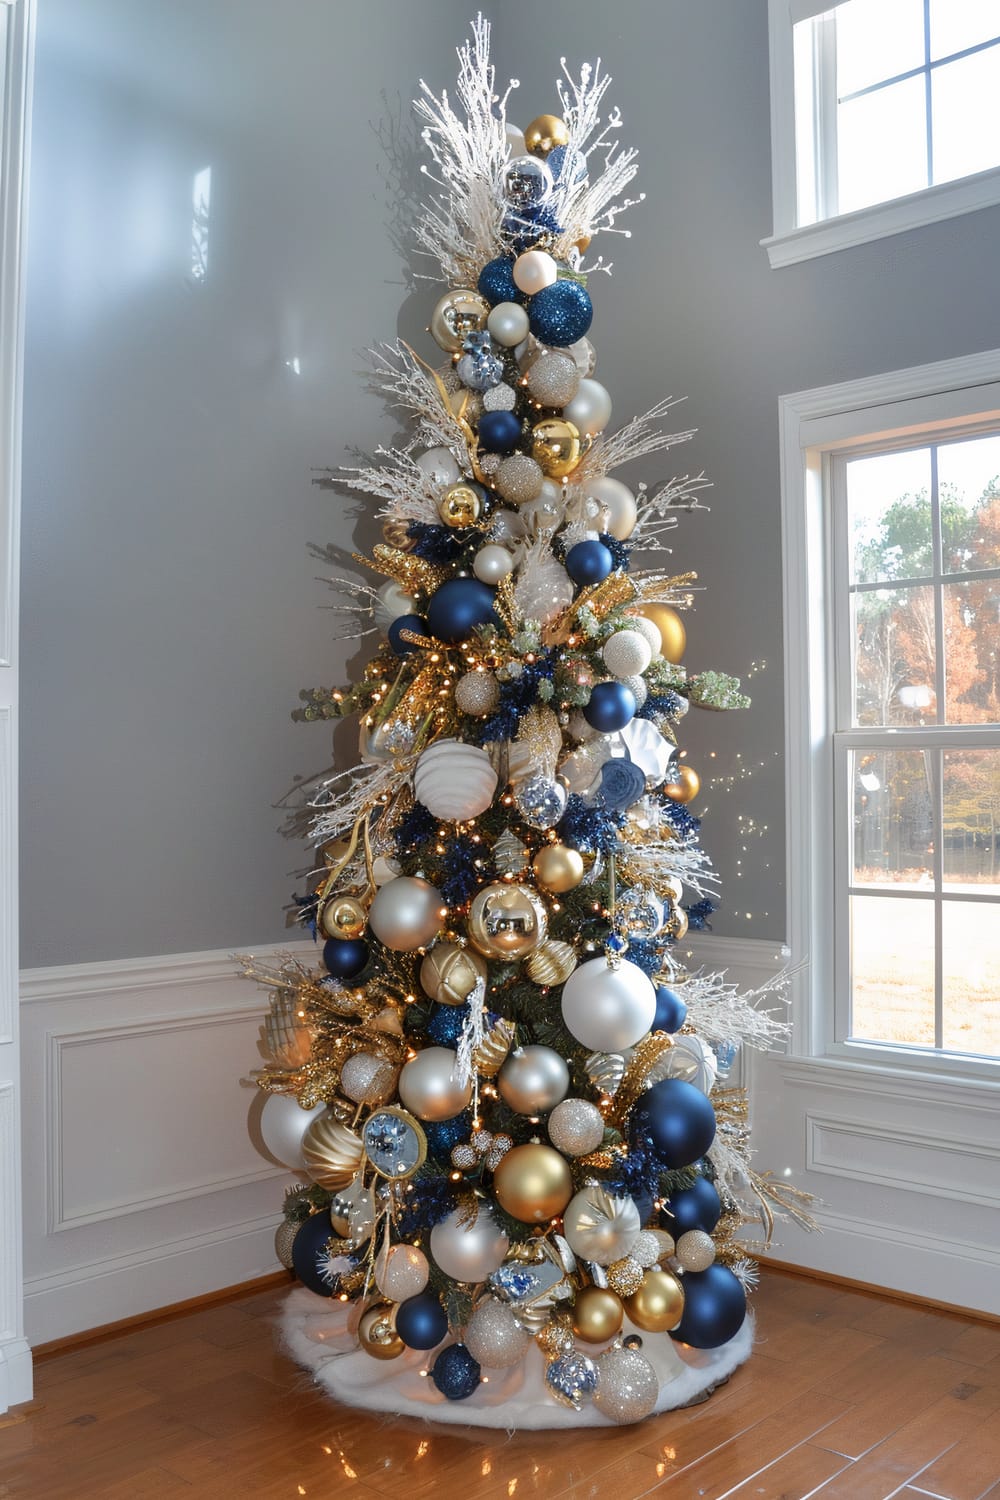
x,y
541,801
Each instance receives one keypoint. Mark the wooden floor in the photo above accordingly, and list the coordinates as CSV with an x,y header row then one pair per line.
x,y
848,1397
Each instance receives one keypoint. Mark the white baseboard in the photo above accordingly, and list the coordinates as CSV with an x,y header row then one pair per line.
x,y
15,1373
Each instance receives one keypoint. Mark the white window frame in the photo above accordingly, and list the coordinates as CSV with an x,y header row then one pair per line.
x,y
906,408
792,242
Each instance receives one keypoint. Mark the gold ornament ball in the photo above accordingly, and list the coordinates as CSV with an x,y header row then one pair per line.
x,y
672,887
533,1183
507,921
555,446
450,973
625,1276
545,134
686,787
658,1305
458,314
377,1332
460,506
283,1237
558,868
343,917
671,627
597,1315
676,924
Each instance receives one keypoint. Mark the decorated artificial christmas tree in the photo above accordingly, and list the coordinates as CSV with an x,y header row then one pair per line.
x,y
524,1177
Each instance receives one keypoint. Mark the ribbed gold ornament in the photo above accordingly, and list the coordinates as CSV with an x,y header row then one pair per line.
x,y
491,1054
331,1152
552,963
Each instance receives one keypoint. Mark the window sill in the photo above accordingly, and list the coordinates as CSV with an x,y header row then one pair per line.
x,y
930,206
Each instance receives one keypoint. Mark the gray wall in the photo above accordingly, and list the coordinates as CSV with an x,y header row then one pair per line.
x,y
170,611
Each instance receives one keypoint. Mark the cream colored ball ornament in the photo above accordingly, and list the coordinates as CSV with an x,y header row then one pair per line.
x,y
533,271
467,1251
439,465
406,913
494,1337
429,1085
401,1271
508,324
600,1226
391,603
620,513
492,563
590,409
627,652
283,1126
450,973
454,781
477,693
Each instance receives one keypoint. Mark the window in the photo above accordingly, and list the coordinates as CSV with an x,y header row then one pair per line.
x,y
883,117
891,508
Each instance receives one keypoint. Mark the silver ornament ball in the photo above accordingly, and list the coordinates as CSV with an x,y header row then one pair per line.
x,y
541,801
406,913
695,1250
553,379
533,1080
367,1078
492,563
439,465
576,1127
494,1337
608,1009
468,1252
429,1086
477,693
519,479
508,324
627,1387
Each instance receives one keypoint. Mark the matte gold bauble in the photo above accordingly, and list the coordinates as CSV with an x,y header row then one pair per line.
x,y
555,446
507,921
658,1304
544,134
460,506
377,1332
458,314
450,973
533,1183
686,787
558,867
343,917
597,1315
668,622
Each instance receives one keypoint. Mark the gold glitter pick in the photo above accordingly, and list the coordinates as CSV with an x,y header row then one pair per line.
x,y
504,604
415,574
657,587
634,1080
467,1210
790,1201
599,598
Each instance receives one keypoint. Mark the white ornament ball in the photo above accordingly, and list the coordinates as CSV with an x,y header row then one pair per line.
x,y
430,1087
391,602
515,141
402,1272
590,408
283,1123
506,528
519,479
533,1080
454,781
406,913
695,1250
600,1226
576,1127
534,270
494,1337
554,379
618,504
492,563
627,1386
468,1252
508,324
608,1009
626,653
477,693
648,629
637,687
439,465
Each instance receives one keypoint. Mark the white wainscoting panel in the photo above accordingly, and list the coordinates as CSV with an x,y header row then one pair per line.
x,y
142,1183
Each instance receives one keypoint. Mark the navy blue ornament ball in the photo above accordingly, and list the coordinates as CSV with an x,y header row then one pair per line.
x,y
496,281
458,606
675,1121
671,1010
455,1373
414,624
589,562
345,957
644,1205
309,1249
499,431
421,1321
696,1207
715,1305
560,314
445,1025
566,164
612,705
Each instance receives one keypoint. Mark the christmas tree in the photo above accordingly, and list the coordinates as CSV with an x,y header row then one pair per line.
x,y
525,1180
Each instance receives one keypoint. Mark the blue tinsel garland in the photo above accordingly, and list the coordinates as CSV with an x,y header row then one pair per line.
x,y
432,1199
436,544
620,551
698,914
589,829
516,697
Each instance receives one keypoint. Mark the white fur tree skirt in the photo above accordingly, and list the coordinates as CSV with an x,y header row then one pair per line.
x,y
319,1334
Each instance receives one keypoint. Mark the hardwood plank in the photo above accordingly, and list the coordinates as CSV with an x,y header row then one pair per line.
x,y
755,1449
971,1468
797,1474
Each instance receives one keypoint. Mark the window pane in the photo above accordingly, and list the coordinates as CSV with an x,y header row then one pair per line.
x,y
875,42
889,516
881,145
969,489
964,112
971,991
893,819
892,969
971,843
972,651
894,677
957,24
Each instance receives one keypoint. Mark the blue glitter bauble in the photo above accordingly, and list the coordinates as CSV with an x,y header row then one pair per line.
x,y
671,1010
442,1135
675,1121
715,1305
345,957
589,562
567,164
696,1207
455,1373
445,1025
496,281
421,1321
405,622
457,607
499,431
309,1250
560,314
525,227
611,707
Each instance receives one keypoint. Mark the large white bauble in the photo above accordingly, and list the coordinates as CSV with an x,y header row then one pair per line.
x,y
691,1059
454,781
494,1337
429,1085
618,504
439,465
543,590
650,630
600,1226
469,1252
608,1009
533,270
401,1271
533,1080
492,563
626,652
283,1124
590,408
406,913
391,602
508,324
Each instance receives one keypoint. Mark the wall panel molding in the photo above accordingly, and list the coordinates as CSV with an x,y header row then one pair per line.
x,y
903,1159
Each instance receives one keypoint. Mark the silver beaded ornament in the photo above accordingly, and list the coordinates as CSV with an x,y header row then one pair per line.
x,y
500,398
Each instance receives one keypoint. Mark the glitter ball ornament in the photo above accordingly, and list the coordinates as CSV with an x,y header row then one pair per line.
x,y
695,1250
571,1379
401,1272
560,314
627,1386
637,687
553,379
647,1249
500,398
283,1237
541,801
477,693
496,284
626,652
494,1337
625,1276
576,1127
368,1079
519,479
